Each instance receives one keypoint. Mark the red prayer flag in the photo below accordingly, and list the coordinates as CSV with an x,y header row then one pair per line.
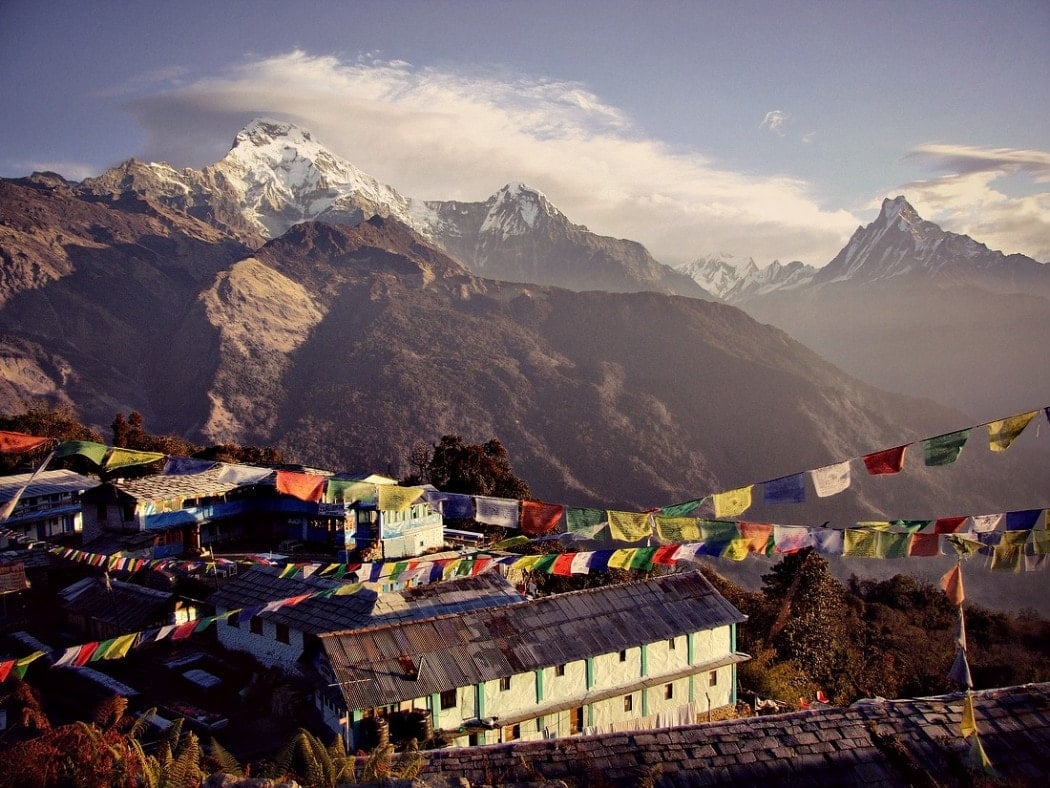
x,y
183,631
304,486
948,525
5,669
16,442
665,554
86,651
886,461
562,564
925,545
538,518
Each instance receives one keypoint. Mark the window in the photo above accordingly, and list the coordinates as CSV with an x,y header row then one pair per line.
x,y
282,633
512,732
504,683
448,699
668,691
576,720
712,678
623,656
671,644
628,702
559,670
256,625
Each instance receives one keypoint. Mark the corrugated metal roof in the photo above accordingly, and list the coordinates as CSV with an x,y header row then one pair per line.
x,y
47,483
168,486
486,644
124,605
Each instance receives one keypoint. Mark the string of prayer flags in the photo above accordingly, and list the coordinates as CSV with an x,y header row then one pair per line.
x,y
496,511
9,506
19,442
831,479
1003,432
732,502
393,498
944,449
886,461
304,486
786,489
538,518
630,526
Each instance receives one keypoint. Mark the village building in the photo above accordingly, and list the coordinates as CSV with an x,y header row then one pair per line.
x,y
659,651
48,507
100,608
379,532
280,634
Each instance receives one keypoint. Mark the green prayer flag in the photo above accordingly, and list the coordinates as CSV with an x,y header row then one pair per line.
x,y
96,452
545,563
860,543
643,558
944,449
963,546
892,545
122,458
683,509
579,519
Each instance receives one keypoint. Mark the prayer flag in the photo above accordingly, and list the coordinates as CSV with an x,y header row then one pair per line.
x,y
791,538
545,563
22,665
985,523
1008,558
87,650
349,491
828,541
18,442
786,489
451,505
979,758
630,526
682,509
860,543
621,559
183,631
968,725
600,560
242,474
890,544
960,669
643,558
736,550
732,502
96,452
68,657
948,525
944,449
757,536
393,498
665,554
952,584
925,545
677,529
538,518
960,631
581,564
912,526
122,458
304,486
9,507
563,564
831,479
496,511
121,646
716,536
187,466
1003,432
579,520
886,461
1023,520
5,669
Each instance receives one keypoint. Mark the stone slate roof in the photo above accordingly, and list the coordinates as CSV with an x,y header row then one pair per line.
x,y
125,606
875,742
379,666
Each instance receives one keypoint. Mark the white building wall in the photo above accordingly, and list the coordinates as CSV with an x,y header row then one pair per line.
x,y
265,647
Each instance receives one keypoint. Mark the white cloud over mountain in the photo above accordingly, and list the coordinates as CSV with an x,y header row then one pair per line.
x,y
969,197
440,134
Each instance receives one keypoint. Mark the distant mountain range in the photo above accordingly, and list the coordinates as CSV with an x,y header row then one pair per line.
x,y
282,297
911,308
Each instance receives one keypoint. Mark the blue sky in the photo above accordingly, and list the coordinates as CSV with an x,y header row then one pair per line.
x,y
768,129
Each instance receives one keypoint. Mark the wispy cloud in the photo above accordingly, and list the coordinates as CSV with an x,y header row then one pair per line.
x,y
971,196
774,121
441,134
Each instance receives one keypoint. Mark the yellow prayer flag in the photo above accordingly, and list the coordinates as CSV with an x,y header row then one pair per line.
x,y
737,549
621,559
969,722
393,498
349,588
732,502
121,646
630,526
1002,433
673,530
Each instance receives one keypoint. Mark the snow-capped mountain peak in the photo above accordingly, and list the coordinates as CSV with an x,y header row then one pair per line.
x,y
515,209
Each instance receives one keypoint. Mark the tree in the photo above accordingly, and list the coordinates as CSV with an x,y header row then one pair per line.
x,y
474,469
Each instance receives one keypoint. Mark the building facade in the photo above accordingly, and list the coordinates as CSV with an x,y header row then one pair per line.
x,y
48,507
644,654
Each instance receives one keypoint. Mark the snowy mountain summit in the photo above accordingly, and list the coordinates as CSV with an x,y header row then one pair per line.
x,y
516,209
735,280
